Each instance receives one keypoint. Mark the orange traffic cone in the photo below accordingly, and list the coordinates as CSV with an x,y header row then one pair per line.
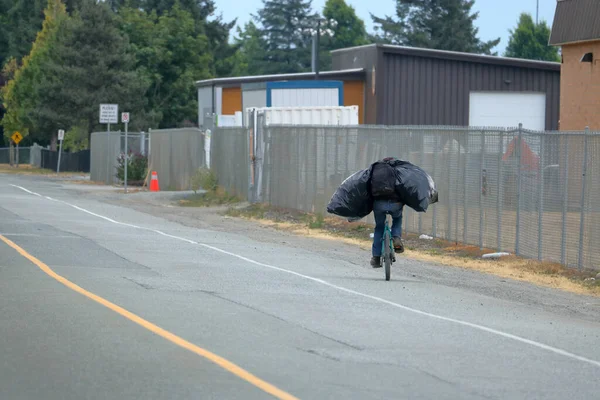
x,y
154,182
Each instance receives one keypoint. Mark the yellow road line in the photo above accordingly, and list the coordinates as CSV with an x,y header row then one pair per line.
x,y
220,361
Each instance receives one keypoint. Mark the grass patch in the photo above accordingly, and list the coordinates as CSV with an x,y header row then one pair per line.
x,y
438,251
218,197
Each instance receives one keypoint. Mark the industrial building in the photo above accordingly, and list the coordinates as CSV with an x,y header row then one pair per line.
x,y
394,85
226,96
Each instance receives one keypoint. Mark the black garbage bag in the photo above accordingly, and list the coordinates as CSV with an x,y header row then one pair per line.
x,y
415,187
353,198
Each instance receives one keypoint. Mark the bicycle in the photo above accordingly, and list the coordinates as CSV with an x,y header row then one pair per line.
x,y
388,255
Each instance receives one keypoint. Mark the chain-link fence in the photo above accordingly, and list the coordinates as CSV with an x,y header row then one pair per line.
x,y
176,155
105,149
230,159
536,194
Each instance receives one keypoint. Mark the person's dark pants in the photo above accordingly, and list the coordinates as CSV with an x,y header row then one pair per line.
x,y
380,210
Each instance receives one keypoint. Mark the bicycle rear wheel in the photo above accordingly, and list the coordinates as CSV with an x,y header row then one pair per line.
x,y
387,255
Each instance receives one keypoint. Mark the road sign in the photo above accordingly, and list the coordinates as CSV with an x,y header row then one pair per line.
x,y
109,113
125,118
16,137
61,134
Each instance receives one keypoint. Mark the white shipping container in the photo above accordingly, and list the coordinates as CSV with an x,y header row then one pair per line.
x,y
337,115
230,120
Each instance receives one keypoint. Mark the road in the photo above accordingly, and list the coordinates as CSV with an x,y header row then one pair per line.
x,y
102,301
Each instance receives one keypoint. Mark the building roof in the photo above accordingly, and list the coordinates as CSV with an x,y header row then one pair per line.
x,y
458,56
265,78
575,21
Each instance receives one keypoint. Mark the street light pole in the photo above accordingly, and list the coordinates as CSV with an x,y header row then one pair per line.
x,y
315,49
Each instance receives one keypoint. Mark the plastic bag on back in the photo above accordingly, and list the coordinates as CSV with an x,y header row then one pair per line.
x,y
415,187
352,198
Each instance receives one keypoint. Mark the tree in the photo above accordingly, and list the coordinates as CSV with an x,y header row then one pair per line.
x,y
530,41
170,56
249,59
288,27
347,29
20,21
19,96
434,24
91,65
342,29
216,30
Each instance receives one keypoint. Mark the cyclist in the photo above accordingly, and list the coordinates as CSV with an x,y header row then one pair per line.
x,y
385,201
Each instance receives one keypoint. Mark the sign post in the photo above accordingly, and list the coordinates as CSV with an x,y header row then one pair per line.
x,y
61,137
109,114
16,138
125,120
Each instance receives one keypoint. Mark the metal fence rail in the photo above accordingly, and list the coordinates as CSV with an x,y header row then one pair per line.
x,y
536,194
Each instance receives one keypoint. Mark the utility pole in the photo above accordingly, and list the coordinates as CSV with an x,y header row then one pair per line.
x,y
537,11
315,50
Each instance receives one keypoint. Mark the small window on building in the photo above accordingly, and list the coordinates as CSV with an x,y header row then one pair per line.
x,y
587,57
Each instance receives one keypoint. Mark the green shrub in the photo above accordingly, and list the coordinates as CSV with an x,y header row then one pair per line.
x,y
205,179
137,167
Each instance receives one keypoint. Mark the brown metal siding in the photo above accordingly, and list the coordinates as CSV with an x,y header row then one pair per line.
x,y
433,91
575,21
362,57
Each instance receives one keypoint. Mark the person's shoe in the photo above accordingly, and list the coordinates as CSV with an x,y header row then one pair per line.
x,y
398,245
376,262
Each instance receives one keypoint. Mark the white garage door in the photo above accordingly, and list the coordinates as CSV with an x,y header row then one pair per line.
x,y
507,110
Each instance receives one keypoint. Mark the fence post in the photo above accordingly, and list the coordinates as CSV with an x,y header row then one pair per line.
x,y
481,165
435,153
583,187
499,200
563,244
465,207
518,222
422,162
541,199
449,170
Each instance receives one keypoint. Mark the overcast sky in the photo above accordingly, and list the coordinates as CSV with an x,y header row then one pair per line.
x,y
496,17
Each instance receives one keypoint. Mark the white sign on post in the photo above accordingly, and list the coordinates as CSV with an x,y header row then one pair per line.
x,y
109,113
125,118
61,134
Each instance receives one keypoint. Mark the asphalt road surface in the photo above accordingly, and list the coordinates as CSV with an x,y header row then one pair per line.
x,y
99,301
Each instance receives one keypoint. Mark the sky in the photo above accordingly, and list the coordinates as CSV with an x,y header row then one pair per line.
x,y
496,17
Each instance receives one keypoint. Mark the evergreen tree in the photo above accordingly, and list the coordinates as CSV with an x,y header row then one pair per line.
x,y
434,24
91,65
20,21
530,41
249,58
20,95
288,27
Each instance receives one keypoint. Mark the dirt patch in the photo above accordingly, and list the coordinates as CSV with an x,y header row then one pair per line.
x,y
434,251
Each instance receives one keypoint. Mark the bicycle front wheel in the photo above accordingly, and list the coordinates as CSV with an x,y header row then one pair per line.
x,y
387,256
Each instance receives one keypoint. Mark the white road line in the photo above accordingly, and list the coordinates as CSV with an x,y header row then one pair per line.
x,y
346,290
